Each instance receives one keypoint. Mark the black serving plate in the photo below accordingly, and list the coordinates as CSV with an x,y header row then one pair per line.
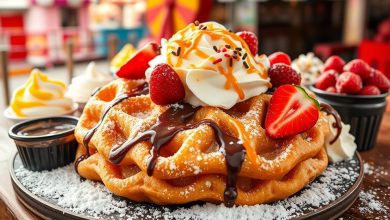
x,y
49,208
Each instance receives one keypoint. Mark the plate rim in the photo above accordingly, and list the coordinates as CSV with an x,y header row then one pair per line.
x,y
54,208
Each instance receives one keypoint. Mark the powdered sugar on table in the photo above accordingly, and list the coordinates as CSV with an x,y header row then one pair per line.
x,y
64,187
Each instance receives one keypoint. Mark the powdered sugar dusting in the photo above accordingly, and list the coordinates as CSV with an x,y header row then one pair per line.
x,y
66,189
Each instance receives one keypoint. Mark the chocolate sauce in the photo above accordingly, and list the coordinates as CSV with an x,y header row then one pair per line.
x,y
48,127
172,122
96,91
140,90
337,124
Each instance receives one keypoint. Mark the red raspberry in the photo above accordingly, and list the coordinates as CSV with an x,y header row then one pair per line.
x,y
251,40
282,74
370,90
334,63
331,89
359,67
165,85
378,79
326,80
349,82
279,57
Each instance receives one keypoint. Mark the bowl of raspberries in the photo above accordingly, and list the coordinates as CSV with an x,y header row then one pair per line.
x,y
358,92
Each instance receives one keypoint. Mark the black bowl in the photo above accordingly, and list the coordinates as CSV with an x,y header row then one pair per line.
x,y
363,113
40,149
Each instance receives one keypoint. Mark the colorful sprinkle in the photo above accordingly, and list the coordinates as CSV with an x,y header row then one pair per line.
x,y
246,65
217,61
216,49
244,56
227,55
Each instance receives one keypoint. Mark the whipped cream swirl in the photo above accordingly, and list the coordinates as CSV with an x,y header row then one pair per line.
x,y
82,86
344,147
215,65
40,96
309,66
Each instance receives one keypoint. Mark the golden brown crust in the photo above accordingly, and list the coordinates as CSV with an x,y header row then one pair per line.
x,y
192,167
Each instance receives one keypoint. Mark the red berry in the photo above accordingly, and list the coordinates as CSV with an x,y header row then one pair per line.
x,y
136,66
165,85
291,111
282,74
370,90
331,89
251,40
378,79
359,67
334,63
349,82
279,57
326,80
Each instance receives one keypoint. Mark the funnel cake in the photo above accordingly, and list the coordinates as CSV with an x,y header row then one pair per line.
x,y
192,165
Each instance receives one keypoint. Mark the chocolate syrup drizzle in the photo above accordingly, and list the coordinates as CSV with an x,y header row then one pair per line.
x,y
140,90
171,122
337,124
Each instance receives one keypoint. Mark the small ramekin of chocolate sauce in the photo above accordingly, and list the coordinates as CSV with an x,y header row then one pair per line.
x,y
45,143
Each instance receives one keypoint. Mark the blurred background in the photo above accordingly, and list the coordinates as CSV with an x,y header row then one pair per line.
x,y
61,36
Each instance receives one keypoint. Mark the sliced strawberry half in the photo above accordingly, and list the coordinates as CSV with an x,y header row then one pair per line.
x,y
136,66
291,111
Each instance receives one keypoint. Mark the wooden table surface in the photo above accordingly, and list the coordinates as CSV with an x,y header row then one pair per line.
x,y
376,182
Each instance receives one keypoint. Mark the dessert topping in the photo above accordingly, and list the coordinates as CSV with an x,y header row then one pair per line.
x,y
251,40
340,144
282,74
165,85
370,90
349,82
326,80
358,67
379,80
291,111
40,96
83,85
279,57
136,66
334,63
214,61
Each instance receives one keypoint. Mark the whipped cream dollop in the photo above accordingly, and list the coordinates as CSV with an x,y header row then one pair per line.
x,y
84,85
214,64
344,147
40,96
309,66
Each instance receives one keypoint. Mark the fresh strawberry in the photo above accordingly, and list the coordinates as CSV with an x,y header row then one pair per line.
x,y
165,85
291,111
334,63
349,82
282,74
331,89
378,79
326,80
279,57
370,90
136,66
251,40
359,67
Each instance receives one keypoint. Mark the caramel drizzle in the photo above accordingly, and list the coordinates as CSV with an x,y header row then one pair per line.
x,y
329,110
175,120
190,43
140,90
